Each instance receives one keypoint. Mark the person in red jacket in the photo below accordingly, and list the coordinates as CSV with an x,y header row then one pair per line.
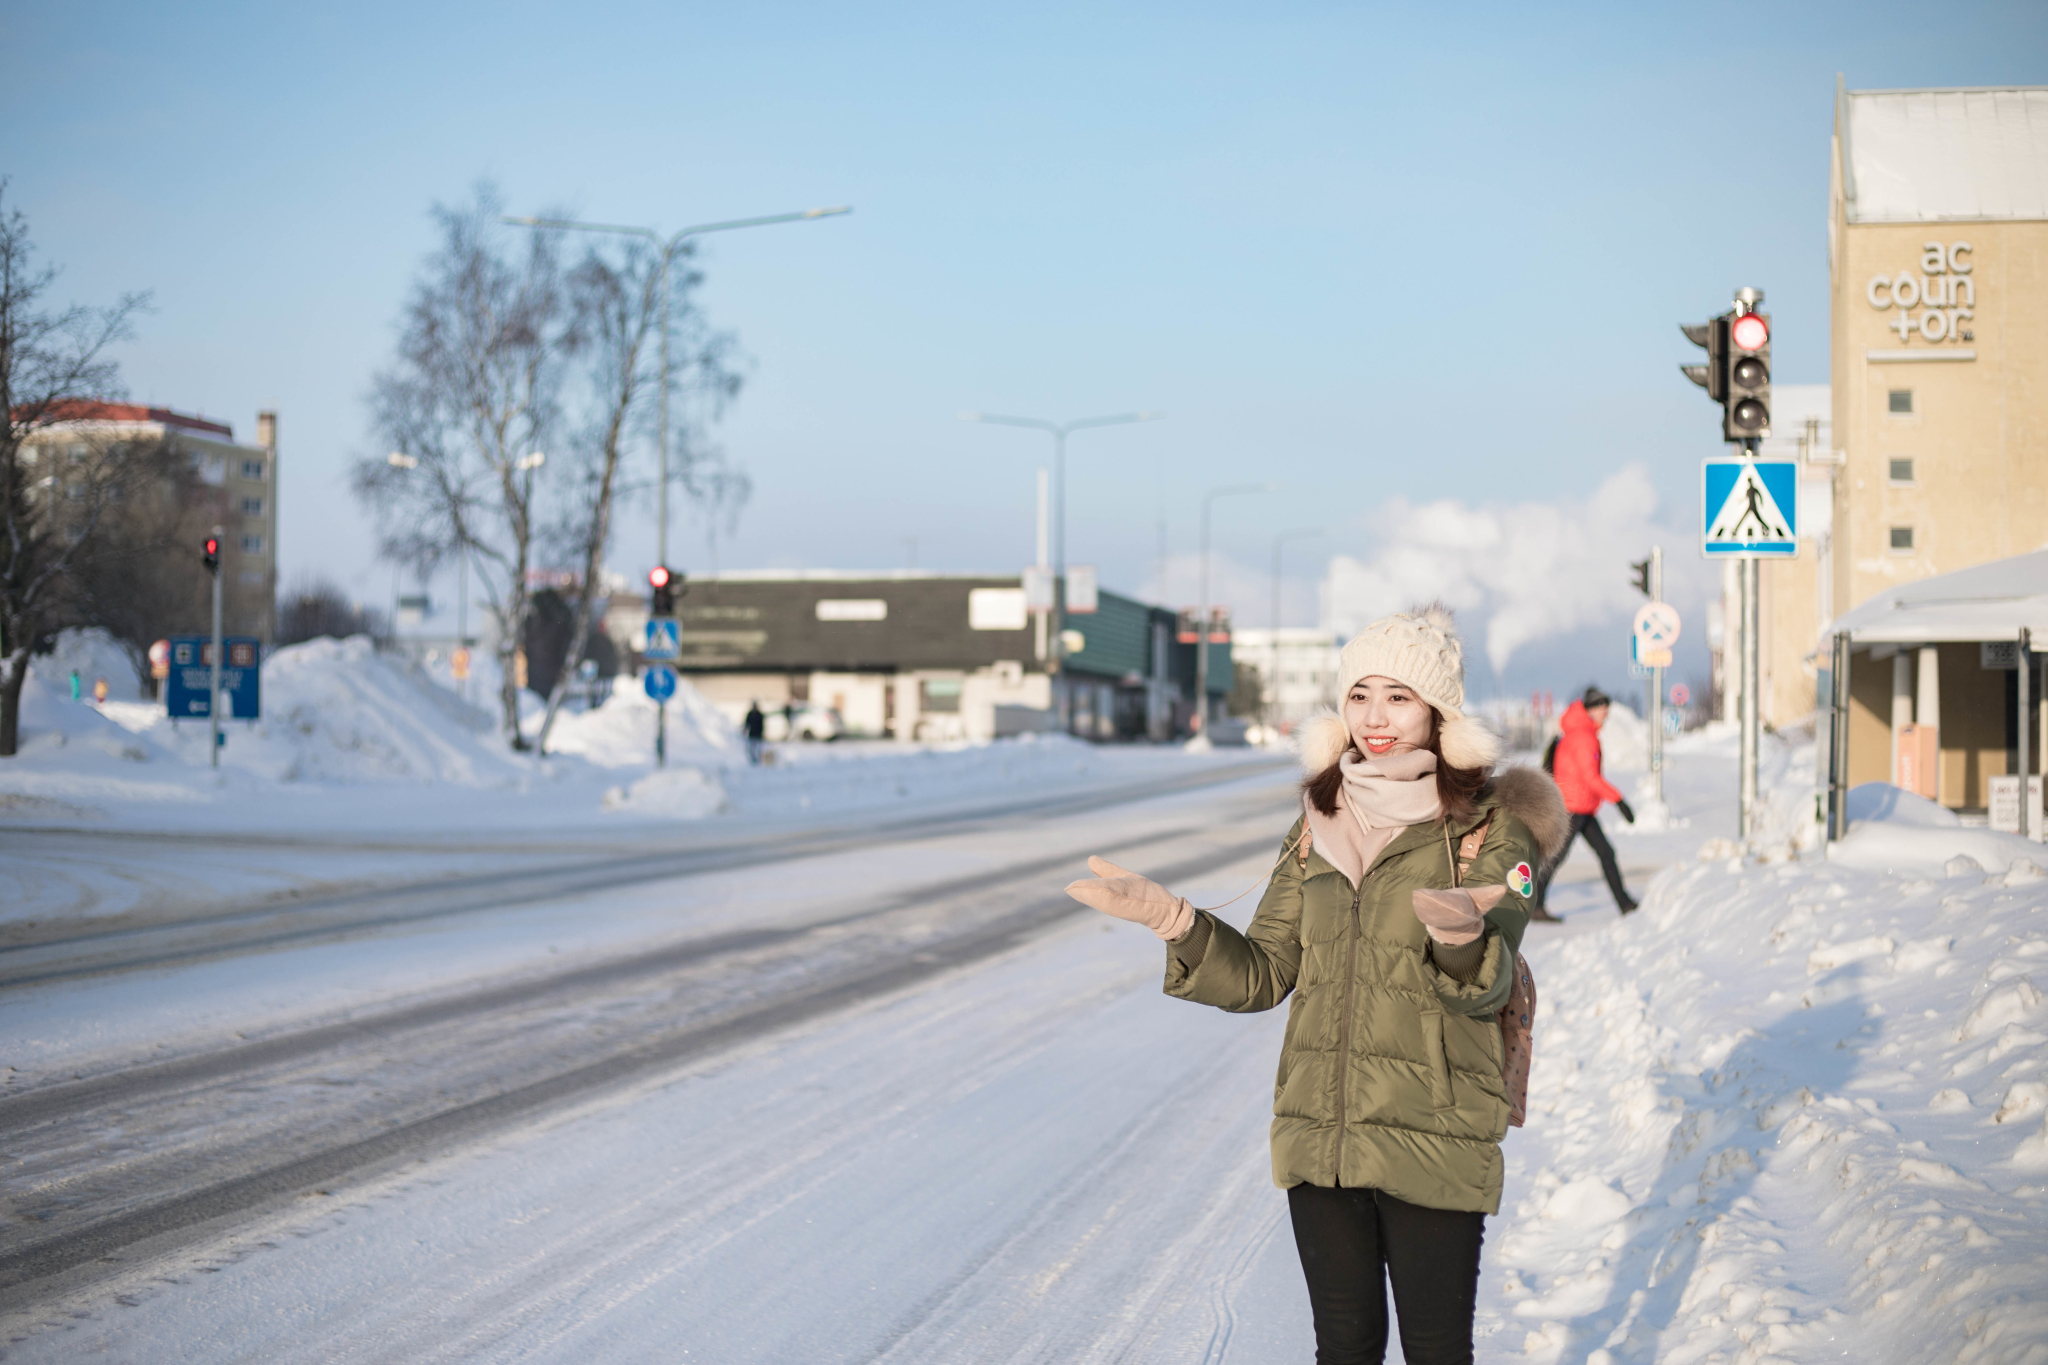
x,y
1577,770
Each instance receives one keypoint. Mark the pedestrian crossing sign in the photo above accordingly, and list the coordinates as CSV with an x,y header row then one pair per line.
x,y
663,639
1749,509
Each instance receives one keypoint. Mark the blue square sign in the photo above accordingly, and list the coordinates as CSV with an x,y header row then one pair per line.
x,y
1749,509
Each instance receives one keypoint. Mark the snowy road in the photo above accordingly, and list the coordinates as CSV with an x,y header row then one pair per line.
x,y
132,1170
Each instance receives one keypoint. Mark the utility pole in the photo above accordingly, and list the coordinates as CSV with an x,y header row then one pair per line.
x,y
213,682
1059,432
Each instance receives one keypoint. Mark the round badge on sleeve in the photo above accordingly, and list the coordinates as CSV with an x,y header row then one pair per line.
x,y
1522,881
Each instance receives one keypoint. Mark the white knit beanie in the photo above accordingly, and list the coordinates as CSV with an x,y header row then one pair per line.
x,y
1419,649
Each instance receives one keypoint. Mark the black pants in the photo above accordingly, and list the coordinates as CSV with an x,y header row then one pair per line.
x,y
1596,839
1352,1241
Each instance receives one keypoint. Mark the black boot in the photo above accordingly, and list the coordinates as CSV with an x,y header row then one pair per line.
x,y
1627,905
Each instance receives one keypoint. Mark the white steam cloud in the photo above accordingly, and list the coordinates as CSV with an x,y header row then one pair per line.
x,y
1529,572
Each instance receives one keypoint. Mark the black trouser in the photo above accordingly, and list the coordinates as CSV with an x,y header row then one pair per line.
x,y
1596,839
1352,1241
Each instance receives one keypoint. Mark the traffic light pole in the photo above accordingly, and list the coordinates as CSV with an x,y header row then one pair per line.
x,y
213,682
1750,711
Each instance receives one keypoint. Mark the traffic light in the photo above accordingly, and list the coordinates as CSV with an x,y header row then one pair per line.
x,y
1737,373
664,583
210,552
1641,576
1748,406
1713,336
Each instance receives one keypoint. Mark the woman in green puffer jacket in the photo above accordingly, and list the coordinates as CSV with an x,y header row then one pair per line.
x,y
1390,1106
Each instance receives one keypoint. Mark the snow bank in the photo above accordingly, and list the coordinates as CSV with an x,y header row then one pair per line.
x,y
1791,1112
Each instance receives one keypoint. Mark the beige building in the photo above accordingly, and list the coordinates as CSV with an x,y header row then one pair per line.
x,y
235,484
1936,446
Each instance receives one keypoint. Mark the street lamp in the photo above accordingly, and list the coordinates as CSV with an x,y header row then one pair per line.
x,y
1273,665
1059,432
1202,622
668,247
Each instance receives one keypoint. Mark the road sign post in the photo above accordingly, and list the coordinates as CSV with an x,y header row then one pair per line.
x,y
660,685
1656,631
1749,510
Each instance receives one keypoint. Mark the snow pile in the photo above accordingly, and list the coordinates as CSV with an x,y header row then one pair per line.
x,y
93,654
620,733
1791,1111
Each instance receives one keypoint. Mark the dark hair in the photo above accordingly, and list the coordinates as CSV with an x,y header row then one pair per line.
x,y
1456,788
1594,697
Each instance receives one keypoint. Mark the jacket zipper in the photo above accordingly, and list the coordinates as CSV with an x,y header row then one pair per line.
x,y
1344,1033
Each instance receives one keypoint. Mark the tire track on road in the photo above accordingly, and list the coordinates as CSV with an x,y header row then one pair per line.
x,y
56,1264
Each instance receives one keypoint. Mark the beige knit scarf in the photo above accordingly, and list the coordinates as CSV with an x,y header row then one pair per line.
x,y
1378,798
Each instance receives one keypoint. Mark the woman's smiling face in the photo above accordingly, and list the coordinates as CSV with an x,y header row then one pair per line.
x,y
1385,717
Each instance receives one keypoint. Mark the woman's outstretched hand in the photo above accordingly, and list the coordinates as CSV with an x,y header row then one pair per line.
x,y
1456,916
1120,892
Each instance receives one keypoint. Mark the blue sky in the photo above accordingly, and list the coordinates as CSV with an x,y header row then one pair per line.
x,y
1374,254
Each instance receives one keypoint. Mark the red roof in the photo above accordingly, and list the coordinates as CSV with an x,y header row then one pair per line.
x,y
92,410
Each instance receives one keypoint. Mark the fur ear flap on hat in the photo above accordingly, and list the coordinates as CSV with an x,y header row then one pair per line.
x,y
1468,744
1323,741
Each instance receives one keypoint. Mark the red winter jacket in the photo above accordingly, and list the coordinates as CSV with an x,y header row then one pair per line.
x,y
1577,766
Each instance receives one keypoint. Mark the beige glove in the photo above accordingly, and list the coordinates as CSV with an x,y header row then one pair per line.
x,y
1140,900
1458,916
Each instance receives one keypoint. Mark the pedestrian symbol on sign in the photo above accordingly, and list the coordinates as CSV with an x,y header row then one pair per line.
x,y
1747,505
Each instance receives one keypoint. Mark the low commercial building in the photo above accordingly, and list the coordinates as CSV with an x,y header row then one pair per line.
x,y
917,655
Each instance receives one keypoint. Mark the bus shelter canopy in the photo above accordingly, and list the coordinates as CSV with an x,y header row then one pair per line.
x,y
1993,601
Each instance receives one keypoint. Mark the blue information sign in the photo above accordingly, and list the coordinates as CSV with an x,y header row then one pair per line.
x,y
188,690
1749,509
660,683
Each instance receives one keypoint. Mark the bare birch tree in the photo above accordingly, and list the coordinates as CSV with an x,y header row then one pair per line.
x,y
620,309
468,409
54,498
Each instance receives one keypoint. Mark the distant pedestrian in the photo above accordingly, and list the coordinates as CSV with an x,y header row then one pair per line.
x,y
77,685
1576,766
99,691
1392,918
756,728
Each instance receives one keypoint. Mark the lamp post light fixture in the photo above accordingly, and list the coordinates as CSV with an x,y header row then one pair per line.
x,y
1057,647
667,248
398,459
1202,622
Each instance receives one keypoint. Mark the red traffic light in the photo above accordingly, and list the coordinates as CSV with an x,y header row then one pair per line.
x,y
212,548
1750,332
658,576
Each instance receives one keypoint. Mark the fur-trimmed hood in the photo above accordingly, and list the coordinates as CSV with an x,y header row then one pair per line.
x,y
1528,794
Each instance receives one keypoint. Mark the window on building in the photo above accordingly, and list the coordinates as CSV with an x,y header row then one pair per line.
x,y
253,507
1901,400
1902,471
1902,540
252,545
252,469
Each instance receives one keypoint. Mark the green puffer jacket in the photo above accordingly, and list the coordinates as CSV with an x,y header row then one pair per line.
x,y
1390,1073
